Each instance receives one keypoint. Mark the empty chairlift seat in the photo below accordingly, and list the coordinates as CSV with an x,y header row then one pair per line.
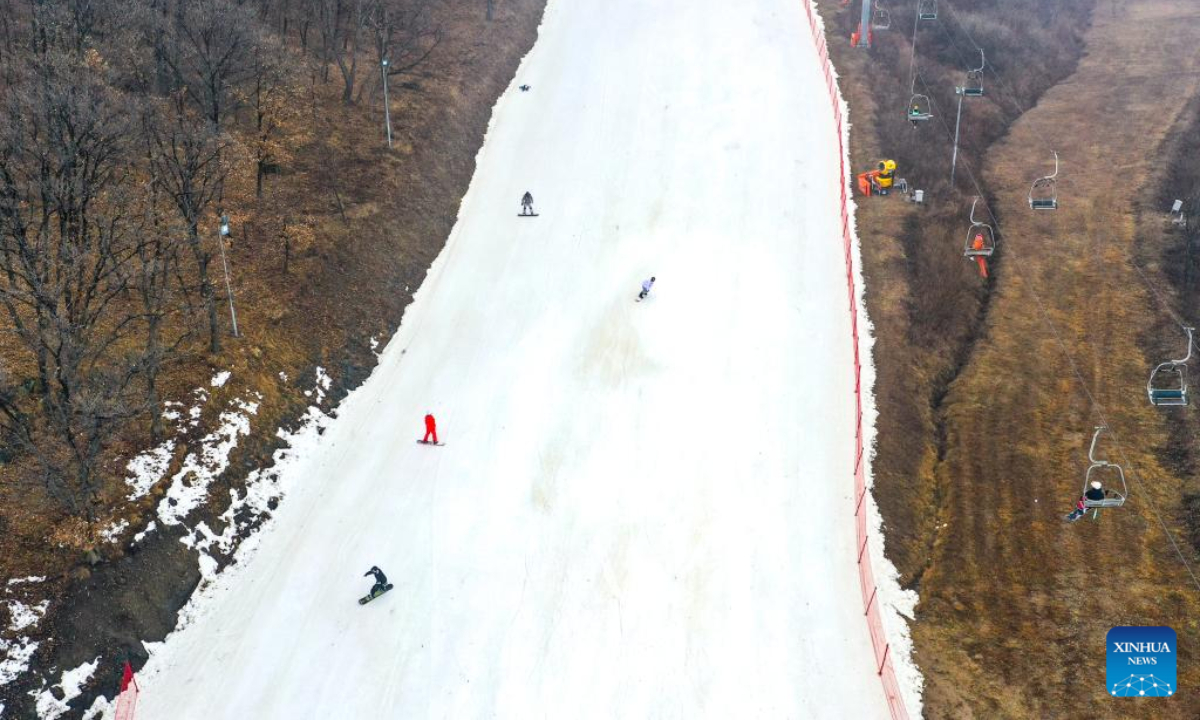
x,y
1043,194
881,19
927,9
1168,386
973,87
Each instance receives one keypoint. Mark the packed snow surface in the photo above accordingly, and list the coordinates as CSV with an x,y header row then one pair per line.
x,y
642,509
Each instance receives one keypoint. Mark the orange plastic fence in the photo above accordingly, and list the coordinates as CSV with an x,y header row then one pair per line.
x,y
883,658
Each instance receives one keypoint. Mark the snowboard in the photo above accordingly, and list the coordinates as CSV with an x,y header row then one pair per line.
x,y
372,596
422,442
527,214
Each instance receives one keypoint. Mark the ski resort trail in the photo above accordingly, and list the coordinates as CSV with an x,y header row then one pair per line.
x,y
642,510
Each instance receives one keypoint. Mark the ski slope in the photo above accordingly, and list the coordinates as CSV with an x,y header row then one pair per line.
x,y
642,510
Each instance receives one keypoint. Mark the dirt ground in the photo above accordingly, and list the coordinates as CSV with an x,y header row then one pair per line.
x,y
364,224
1015,603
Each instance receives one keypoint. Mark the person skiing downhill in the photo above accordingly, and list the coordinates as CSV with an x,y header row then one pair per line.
x,y
381,583
646,285
430,430
527,204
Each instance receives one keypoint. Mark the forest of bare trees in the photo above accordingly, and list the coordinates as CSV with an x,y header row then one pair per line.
x,y
119,121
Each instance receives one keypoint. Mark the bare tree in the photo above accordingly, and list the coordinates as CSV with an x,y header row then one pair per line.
x,y
207,46
185,159
405,34
158,283
271,104
67,244
342,25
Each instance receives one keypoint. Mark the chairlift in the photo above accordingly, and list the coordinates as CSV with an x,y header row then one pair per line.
x,y
927,9
1167,386
919,108
881,19
981,239
1108,474
974,84
1043,194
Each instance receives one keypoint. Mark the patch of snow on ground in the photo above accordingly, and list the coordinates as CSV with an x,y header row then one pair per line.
x,y
30,579
149,529
25,616
15,654
149,467
113,532
323,383
262,487
374,343
283,376
189,486
50,707
221,378
99,709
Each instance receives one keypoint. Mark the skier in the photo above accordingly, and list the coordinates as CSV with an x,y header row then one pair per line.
x,y
527,204
430,429
646,285
525,88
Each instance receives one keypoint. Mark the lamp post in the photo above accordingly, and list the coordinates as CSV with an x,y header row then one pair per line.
x,y
222,233
387,111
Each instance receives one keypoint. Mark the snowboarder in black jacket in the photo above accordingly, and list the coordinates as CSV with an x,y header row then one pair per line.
x,y
380,580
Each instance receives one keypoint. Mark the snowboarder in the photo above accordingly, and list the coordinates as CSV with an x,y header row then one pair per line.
x,y
430,430
380,587
527,204
646,285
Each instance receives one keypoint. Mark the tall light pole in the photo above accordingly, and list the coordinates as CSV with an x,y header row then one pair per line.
x,y
387,110
222,233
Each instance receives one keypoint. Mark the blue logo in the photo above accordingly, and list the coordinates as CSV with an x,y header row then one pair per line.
x,y
1141,661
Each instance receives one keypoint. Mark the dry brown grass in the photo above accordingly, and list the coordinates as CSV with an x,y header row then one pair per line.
x,y
1016,603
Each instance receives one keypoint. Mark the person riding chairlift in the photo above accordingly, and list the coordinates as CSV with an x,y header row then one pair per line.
x,y
1094,493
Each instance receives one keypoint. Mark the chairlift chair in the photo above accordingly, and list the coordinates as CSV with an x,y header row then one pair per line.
x,y
974,84
927,9
1043,194
982,230
1099,469
919,108
1167,386
881,19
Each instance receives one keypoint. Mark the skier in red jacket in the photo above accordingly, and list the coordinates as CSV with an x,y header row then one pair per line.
x,y
430,429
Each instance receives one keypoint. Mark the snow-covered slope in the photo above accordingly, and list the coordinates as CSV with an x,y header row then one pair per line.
x,y
642,509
